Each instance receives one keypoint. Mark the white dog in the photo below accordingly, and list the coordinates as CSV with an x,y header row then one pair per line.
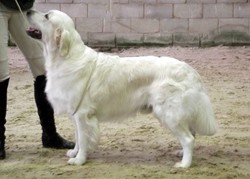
x,y
93,87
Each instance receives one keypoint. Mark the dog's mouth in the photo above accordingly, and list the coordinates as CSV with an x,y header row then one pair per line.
x,y
34,33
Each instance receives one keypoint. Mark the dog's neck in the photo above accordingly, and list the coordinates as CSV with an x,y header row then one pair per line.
x,y
54,59
49,50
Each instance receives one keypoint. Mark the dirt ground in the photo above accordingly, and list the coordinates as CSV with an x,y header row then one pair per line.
x,y
139,148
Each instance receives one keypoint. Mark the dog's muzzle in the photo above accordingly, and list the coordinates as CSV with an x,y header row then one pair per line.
x,y
33,32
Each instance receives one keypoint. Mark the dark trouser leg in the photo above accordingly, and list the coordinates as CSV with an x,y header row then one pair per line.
x,y
3,107
50,138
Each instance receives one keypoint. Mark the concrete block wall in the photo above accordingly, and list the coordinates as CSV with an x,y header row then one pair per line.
x,y
157,22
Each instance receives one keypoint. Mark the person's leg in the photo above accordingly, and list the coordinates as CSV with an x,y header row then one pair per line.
x,y
50,138
4,78
33,52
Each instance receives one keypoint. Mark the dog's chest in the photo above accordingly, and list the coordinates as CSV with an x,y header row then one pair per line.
x,y
57,92
65,92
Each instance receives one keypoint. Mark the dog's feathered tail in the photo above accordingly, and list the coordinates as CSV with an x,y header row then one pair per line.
x,y
205,123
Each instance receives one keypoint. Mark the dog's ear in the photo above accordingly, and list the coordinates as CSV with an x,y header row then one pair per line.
x,y
62,39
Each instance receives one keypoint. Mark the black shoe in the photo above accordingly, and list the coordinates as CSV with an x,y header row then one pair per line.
x,y
3,107
2,154
56,142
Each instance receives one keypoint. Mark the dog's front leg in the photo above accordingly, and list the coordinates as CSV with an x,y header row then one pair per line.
x,y
73,152
82,141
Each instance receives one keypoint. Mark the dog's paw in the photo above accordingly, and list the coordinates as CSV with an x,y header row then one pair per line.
x,y
181,165
76,161
71,153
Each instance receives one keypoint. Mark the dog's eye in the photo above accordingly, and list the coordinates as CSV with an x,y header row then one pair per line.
x,y
46,16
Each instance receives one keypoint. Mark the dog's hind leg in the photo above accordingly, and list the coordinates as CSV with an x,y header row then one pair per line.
x,y
187,142
180,129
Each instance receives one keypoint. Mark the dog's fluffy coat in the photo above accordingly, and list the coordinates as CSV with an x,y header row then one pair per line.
x,y
93,87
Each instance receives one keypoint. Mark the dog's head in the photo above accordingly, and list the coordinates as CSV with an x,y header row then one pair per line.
x,y
53,28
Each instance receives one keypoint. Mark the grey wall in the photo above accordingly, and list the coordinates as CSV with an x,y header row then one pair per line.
x,y
161,22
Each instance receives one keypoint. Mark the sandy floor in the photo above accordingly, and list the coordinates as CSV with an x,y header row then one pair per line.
x,y
139,148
